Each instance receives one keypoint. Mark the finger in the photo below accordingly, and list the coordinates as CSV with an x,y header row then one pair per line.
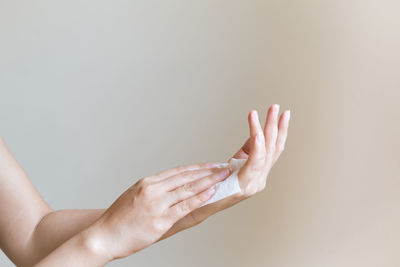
x,y
193,188
185,177
282,134
181,209
256,158
271,132
179,169
244,151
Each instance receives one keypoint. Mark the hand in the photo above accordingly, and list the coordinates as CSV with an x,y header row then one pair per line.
x,y
262,149
143,213
261,156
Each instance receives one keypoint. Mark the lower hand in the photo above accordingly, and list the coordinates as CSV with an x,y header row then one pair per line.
x,y
145,212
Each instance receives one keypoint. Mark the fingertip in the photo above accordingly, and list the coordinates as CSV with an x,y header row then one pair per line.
x,y
253,115
288,115
253,122
276,108
284,119
271,108
249,117
217,165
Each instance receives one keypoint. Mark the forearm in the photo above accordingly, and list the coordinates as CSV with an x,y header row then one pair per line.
x,y
81,250
59,226
61,233
56,228
21,207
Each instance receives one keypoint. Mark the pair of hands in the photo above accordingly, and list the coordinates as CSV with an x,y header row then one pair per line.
x,y
163,204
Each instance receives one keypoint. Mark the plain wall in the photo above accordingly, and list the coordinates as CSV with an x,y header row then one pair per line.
x,y
96,94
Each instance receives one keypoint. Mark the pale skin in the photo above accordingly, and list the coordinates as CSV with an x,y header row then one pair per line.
x,y
154,208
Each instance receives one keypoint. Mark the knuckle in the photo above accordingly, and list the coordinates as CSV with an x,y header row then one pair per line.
x,y
180,175
159,225
186,176
187,173
185,207
143,181
139,182
189,187
148,190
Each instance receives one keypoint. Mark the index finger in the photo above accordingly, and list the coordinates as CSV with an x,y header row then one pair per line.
x,y
184,168
257,156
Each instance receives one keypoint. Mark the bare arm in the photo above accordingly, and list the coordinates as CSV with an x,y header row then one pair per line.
x,y
79,251
21,208
30,231
57,227
29,228
140,216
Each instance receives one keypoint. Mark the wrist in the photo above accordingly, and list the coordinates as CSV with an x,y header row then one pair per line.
x,y
94,245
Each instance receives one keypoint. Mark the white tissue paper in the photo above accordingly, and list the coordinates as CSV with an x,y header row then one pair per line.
x,y
230,185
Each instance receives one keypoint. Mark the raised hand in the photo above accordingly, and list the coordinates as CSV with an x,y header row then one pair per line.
x,y
270,125
262,149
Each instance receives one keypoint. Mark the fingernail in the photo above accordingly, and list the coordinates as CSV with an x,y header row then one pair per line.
x,y
210,191
276,109
255,115
221,165
288,115
223,173
218,165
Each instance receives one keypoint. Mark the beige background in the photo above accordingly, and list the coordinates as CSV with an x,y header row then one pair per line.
x,y
95,94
